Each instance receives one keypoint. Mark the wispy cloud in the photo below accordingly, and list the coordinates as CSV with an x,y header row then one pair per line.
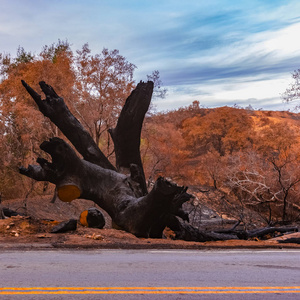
x,y
219,52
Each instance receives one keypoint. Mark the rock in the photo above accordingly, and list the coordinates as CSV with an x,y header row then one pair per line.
x,y
65,226
93,218
15,233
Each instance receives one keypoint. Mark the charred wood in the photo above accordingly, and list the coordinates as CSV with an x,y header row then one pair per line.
x,y
123,193
57,111
260,233
290,240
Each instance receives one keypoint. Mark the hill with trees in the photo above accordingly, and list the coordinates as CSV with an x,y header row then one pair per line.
x,y
243,163
249,158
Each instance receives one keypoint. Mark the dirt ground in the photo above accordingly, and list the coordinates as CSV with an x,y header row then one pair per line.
x,y
33,230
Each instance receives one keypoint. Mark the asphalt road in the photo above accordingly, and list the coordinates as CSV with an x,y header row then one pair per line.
x,y
150,274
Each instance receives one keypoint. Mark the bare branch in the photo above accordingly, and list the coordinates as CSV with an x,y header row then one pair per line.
x,y
56,110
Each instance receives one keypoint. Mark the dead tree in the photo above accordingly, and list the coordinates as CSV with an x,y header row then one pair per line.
x,y
120,190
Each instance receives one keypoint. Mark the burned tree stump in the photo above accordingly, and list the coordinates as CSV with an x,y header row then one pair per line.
x,y
121,191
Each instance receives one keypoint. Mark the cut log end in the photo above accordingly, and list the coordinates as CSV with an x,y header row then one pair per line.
x,y
83,218
68,193
92,218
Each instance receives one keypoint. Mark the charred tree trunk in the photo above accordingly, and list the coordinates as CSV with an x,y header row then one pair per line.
x,y
121,191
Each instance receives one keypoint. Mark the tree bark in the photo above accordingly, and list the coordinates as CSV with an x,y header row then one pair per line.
x,y
127,134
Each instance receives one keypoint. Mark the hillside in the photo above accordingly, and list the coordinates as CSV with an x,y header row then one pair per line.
x,y
250,157
245,163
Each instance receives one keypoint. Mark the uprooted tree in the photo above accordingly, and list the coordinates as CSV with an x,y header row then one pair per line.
x,y
121,191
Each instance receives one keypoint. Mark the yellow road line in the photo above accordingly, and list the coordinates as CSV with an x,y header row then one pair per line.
x,y
153,288
147,290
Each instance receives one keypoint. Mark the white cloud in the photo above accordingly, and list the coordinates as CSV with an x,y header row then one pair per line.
x,y
217,54
255,69
284,42
260,93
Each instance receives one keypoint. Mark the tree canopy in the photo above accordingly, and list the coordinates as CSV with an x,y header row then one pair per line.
x,y
94,86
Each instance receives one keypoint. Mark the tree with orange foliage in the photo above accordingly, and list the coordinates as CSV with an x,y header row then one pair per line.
x,y
267,178
24,126
163,149
224,130
269,186
93,86
104,81
250,157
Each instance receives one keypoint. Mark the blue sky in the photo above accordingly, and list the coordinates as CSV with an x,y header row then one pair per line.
x,y
219,52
